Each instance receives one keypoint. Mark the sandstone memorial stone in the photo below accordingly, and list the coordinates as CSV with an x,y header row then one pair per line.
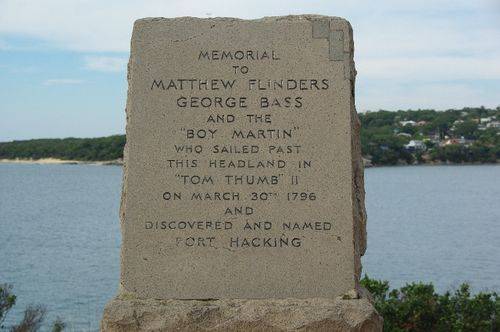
x,y
243,178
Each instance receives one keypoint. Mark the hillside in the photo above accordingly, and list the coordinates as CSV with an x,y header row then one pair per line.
x,y
422,136
469,135
84,149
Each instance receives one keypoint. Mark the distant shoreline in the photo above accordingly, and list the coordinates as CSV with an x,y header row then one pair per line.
x,y
119,162
55,161
467,136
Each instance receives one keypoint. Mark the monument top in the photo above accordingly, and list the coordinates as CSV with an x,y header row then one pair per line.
x,y
243,174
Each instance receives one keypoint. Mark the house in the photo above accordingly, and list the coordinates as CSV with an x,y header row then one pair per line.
x,y
493,124
433,136
407,123
450,141
421,123
403,135
486,120
457,141
415,145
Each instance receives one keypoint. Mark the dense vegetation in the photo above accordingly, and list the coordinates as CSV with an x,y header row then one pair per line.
x,y
85,149
417,307
33,317
455,136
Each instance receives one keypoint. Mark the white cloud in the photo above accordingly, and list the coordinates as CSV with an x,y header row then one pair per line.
x,y
94,25
62,81
401,46
106,63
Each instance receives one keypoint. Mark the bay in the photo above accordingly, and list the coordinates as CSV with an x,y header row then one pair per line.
x,y
60,234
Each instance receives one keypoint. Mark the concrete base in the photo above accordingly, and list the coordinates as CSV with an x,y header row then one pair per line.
x,y
122,314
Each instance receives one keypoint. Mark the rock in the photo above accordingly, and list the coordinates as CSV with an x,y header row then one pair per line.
x,y
319,314
173,248
177,277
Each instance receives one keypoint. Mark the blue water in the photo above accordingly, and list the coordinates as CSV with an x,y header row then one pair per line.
x,y
437,224
60,238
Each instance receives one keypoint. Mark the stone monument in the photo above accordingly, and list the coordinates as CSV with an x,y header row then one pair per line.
x,y
243,196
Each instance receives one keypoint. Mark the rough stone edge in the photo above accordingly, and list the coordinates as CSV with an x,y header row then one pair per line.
x,y
316,314
235,19
125,159
358,198
358,189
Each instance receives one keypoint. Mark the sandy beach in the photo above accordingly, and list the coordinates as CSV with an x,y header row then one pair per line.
x,y
45,161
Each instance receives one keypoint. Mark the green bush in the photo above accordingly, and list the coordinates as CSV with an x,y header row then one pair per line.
x,y
417,307
7,301
33,315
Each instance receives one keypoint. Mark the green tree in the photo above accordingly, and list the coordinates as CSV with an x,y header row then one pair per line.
x,y
33,315
466,129
7,301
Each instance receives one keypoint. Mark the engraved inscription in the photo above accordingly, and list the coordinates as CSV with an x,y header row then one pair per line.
x,y
268,144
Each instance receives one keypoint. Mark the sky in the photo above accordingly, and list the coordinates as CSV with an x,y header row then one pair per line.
x,y
63,62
